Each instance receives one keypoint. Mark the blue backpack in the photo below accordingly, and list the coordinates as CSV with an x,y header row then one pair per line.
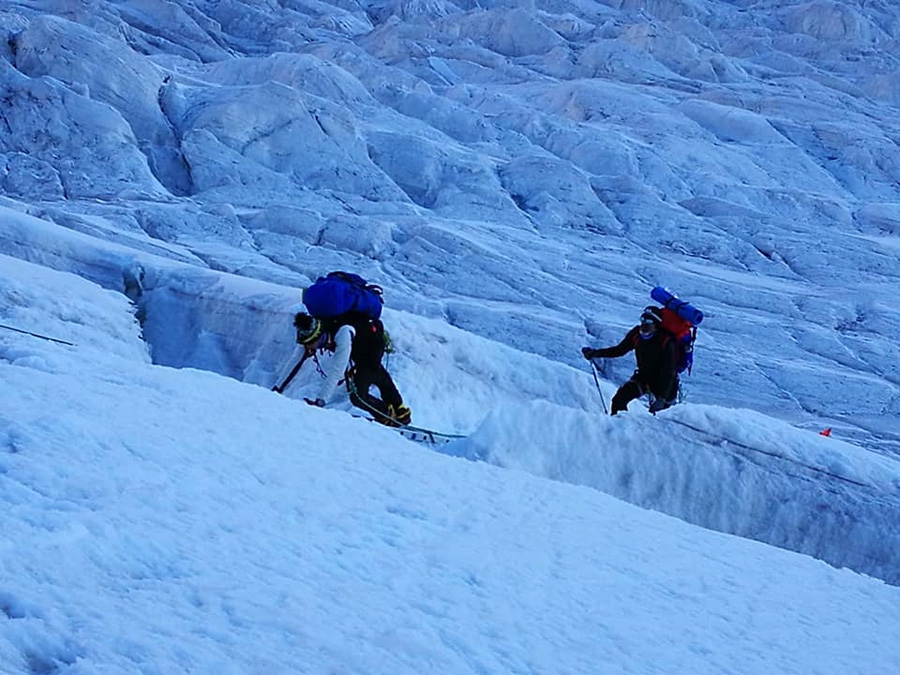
x,y
339,293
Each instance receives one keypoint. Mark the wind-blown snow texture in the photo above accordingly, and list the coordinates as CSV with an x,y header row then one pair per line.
x,y
517,176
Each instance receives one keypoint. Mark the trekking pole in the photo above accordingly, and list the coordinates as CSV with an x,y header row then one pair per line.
x,y
296,369
37,335
597,382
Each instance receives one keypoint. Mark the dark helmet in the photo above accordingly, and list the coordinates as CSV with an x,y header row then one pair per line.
x,y
651,319
308,328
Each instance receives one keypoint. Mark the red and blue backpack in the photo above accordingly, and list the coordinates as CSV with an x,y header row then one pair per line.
x,y
680,320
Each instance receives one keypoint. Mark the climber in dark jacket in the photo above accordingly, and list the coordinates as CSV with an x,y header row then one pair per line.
x,y
655,352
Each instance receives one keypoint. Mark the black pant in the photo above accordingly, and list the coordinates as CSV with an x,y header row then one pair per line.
x,y
362,379
633,389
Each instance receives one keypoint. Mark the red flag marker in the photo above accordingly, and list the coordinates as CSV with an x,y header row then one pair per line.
x,y
825,432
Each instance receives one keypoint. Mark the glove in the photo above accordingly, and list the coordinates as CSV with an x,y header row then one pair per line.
x,y
319,403
588,353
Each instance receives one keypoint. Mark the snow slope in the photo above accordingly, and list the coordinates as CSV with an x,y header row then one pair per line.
x,y
174,520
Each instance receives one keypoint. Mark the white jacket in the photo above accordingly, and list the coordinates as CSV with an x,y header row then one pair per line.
x,y
336,366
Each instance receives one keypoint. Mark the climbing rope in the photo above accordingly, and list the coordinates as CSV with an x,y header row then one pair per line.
x,y
37,335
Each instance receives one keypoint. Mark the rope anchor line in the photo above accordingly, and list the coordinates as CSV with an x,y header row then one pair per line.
x,y
37,335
